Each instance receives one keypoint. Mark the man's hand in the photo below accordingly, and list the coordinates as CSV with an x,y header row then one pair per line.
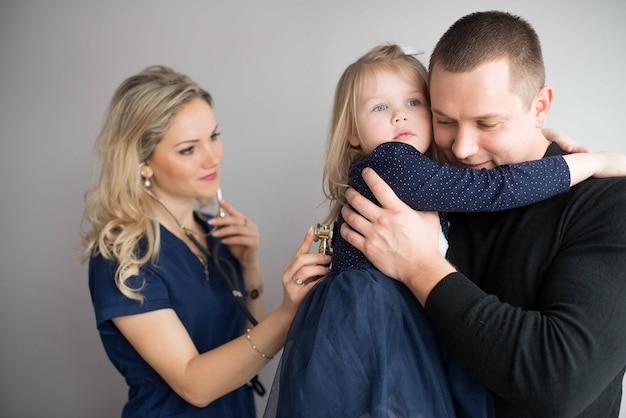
x,y
400,242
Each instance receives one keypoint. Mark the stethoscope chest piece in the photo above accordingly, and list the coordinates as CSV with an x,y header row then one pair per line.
x,y
324,234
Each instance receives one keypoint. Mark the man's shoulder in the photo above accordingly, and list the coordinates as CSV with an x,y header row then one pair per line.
x,y
597,203
613,188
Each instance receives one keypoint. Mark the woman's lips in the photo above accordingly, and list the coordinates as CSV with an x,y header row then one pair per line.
x,y
209,177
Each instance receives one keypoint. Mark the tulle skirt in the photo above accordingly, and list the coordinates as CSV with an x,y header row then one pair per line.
x,y
361,345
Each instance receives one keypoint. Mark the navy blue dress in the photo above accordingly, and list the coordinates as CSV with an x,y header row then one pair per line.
x,y
360,343
206,309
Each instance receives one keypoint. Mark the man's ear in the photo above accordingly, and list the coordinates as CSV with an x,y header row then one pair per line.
x,y
542,104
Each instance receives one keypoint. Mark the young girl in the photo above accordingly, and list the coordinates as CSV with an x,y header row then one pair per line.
x,y
167,320
360,344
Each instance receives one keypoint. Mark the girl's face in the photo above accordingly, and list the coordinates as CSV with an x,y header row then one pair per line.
x,y
185,164
392,107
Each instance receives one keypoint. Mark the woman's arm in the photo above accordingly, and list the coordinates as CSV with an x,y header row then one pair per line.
x,y
200,378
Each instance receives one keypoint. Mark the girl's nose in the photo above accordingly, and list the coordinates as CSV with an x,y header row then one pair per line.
x,y
400,117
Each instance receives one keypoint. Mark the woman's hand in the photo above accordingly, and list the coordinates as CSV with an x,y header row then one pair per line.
x,y
301,273
240,234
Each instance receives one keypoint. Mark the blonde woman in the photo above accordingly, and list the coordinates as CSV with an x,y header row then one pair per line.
x,y
176,292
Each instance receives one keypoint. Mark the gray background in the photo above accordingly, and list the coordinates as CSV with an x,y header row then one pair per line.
x,y
272,67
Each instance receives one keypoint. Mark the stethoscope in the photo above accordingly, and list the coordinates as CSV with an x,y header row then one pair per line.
x,y
229,278
231,282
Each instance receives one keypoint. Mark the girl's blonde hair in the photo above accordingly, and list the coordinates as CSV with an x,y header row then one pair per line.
x,y
118,209
339,153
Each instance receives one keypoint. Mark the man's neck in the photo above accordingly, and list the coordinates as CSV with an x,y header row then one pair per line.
x,y
553,149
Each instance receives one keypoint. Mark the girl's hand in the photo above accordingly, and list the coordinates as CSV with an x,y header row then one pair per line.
x,y
240,234
611,164
564,142
301,273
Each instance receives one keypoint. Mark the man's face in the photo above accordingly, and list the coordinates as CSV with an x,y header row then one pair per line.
x,y
479,122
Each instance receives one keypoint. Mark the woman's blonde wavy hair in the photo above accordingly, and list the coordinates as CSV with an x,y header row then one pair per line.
x,y
118,209
339,153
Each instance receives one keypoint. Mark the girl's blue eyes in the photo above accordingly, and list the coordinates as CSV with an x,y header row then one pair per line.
x,y
383,107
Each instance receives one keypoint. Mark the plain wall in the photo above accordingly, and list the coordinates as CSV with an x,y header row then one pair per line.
x,y
272,67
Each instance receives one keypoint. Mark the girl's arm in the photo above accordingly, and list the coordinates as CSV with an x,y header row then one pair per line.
x,y
427,185
595,164
200,378
583,167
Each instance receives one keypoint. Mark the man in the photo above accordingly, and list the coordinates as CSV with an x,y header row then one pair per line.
x,y
533,300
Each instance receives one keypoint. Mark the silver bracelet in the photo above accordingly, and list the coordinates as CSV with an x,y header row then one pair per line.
x,y
254,347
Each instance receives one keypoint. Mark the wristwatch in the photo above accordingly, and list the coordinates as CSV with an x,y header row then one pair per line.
x,y
254,292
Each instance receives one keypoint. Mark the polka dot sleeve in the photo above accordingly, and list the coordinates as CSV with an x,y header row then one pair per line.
x,y
427,185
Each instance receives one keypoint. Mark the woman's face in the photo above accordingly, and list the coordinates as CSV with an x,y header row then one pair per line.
x,y
185,164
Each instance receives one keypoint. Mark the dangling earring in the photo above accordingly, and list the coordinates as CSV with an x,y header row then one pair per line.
x,y
146,180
